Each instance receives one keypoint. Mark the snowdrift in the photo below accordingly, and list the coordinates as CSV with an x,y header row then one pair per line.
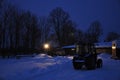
x,y
44,67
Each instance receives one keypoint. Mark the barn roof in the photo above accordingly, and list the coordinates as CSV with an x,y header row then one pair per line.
x,y
103,45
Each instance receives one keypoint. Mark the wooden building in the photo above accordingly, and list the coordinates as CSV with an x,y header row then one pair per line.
x,y
70,49
104,47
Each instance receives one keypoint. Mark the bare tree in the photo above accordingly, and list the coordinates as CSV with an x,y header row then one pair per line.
x,y
112,36
94,32
30,30
79,36
44,29
68,33
13,28
1,2
35,32
61,21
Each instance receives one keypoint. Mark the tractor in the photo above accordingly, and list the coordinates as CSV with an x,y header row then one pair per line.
x,y
86,56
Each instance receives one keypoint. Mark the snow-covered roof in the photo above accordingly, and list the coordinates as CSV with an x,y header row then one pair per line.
x,y
97,45
70,46
103,44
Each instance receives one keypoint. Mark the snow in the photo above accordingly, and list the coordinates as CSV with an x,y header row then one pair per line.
x,y
44,67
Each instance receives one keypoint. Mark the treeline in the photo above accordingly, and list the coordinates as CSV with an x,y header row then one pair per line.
x,y
19,30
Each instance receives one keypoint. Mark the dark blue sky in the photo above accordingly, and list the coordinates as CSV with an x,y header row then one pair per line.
x,y
83,12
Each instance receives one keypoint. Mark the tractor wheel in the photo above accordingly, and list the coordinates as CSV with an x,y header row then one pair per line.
x,y
77,65
90,63
99,63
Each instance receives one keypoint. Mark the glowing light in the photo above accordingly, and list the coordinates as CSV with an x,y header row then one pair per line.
x,y
73,49
46,46
113,47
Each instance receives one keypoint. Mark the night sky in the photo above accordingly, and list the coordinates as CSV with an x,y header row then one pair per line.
x,y
82,12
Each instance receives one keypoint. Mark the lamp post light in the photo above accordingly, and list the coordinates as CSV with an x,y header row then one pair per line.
x,y
114,47
114,50
46,47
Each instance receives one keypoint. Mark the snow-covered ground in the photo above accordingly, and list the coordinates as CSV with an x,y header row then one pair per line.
x,y
44,67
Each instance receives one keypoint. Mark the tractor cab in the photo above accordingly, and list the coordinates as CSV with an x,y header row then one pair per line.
x,y
86,55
